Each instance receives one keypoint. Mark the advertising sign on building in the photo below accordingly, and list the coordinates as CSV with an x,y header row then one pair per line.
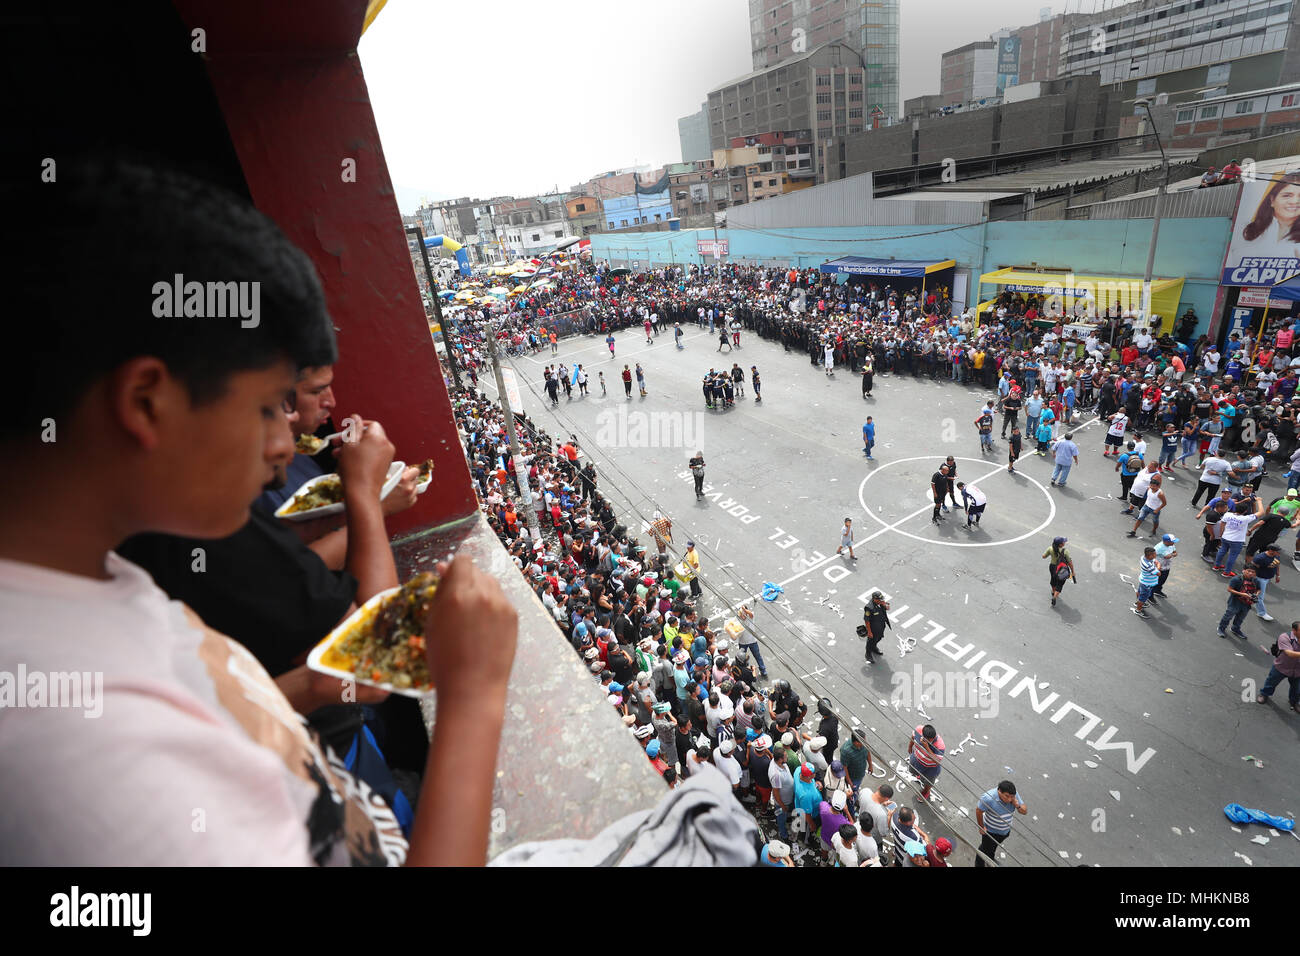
x,y
1009,56
1257,298
1265,244
713,247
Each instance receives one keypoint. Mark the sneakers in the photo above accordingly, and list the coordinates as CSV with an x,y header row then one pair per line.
x,y
1221,634
1131,534
1236,633
1267,617
1217,567
1141,612
1261,699
1226,574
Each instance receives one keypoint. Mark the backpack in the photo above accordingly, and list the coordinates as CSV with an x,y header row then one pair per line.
x,y
1061,572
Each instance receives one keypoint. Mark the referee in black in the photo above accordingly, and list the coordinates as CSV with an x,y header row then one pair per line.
x,y
940,485
951,464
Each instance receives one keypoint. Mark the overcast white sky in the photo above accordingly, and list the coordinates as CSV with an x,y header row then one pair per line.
x,y
491,97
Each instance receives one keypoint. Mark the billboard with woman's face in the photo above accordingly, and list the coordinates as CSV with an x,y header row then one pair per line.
x,y
1265,246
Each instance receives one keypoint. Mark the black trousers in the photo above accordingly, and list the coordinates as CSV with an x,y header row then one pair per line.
x,y
699,484
1210,490
989,846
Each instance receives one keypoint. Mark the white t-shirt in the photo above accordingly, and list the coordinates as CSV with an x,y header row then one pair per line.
x,y
1235,526
847,855
196,758
729,766
1118,426
1214,470
1142,482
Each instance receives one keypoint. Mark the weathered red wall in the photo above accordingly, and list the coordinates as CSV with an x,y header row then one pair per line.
x,y
295,101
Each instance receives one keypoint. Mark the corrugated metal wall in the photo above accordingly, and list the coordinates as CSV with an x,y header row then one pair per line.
x,y
1187,204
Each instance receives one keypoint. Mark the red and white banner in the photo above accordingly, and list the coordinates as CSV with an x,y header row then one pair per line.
x,y
713,247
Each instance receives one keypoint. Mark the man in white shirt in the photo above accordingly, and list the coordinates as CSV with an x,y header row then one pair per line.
x,y
1210,362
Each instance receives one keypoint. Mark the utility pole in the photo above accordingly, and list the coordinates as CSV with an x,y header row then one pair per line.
x,y
447,338
1155,219
521,473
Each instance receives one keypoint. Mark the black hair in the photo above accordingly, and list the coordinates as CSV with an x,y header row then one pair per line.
x,y
866,822
905,815
95,245
1006,786
886,790
848,832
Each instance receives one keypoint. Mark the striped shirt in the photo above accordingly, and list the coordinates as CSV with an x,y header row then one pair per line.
x,y
1149,573
997,813
925,753
902,836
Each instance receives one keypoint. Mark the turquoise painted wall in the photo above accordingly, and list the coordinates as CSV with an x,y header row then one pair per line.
x,y
1190,248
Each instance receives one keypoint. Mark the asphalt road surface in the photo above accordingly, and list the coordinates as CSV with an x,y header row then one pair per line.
x,y
1126,738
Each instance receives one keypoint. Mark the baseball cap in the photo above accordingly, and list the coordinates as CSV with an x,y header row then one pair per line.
x,y
616,688
806,771
652,749
726,745
701,661
763,742
838,799
681,657
690,544
837,768
943,846
1292,493
1170,539
778,850
787,739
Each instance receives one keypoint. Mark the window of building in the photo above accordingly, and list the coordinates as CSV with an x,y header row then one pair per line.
x,y
537,236
823,115
758,184
622,222
735,188
1288,100
657,217
823,81
855,79
611,225
559,233
1218,73
839,81
771,182
1146,87
1245,106
1209,112
581,207
823,98
1185,116
855,114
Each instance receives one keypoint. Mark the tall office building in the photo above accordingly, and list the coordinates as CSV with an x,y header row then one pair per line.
x,y
781,29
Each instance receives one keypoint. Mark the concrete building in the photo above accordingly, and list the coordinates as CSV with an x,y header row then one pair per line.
x,y
690,190
780,30
693,132
1065,112
1183,47
1224,120
585,214
823,90
969,73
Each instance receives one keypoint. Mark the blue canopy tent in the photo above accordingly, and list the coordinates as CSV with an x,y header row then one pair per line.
x,y
894,268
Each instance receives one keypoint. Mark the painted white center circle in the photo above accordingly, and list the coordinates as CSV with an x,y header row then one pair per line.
x,y
890,526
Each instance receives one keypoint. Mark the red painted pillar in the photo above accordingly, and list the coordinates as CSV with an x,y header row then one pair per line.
x,y
295,102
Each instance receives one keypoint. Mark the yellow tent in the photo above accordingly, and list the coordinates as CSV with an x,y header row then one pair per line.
x,y
1099,292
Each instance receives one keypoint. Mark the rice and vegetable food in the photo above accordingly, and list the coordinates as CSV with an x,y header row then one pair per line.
x,y
426,469
309,444
328,491
387,647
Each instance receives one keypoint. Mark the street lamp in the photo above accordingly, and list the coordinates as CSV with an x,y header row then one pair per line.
x,y
1155,221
